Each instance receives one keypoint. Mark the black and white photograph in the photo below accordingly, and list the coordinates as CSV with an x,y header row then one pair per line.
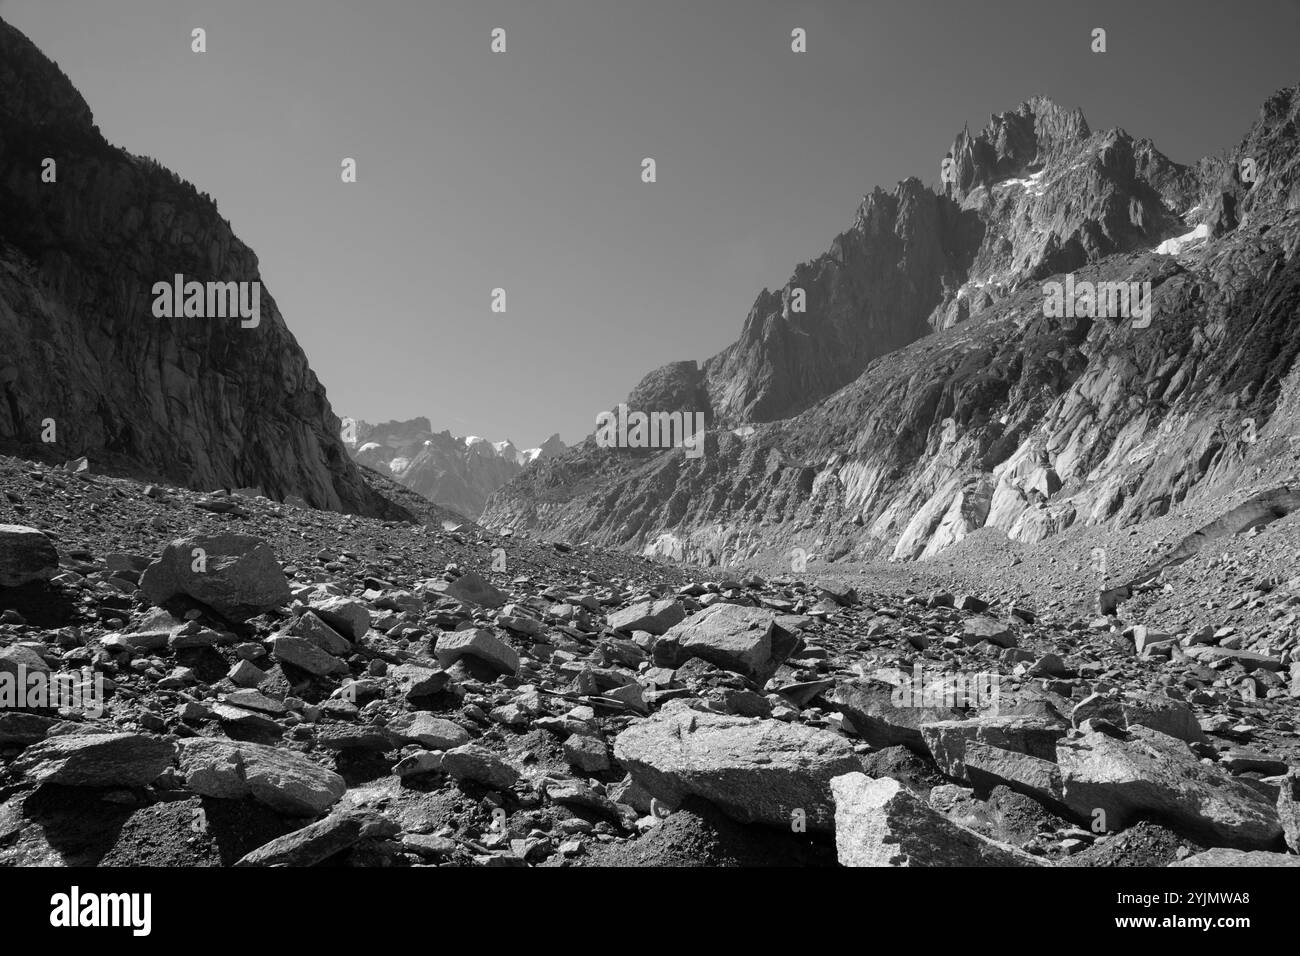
x,y
642,435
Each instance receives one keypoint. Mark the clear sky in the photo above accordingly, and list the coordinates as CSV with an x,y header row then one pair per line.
x,y
522,170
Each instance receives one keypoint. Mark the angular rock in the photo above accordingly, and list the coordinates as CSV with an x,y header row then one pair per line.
x,y
744,640
303,654
26,556
473,588
479,765
887,715
237,577
947,740
754,770
348,616
878,822
1165,714
1154,775
1223,856
282,779
478,643
653,617
97,760
429,731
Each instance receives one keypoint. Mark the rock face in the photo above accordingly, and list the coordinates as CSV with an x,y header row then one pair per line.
x,y
26,556
236,575
1153,775
756,771
457,473
186,400
989,413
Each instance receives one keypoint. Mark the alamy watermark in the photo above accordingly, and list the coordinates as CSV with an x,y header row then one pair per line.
x,y
208,300
624,429
81,691
1098,300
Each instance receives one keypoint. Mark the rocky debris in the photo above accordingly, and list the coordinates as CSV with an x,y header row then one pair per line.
x,y
237,575
474,589
97,760
26,556
744,640
1222,856
756,771
284,780
878,822
1148,774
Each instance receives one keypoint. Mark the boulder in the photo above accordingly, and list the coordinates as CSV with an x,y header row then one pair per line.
x,y
26,556
282,779
97,760
653,617
744,640
237,575
1153,775
878,822
754,770
478,643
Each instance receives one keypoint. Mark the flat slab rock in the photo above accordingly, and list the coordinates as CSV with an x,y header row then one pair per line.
x,y
283,779
1151,774
754,770
1226,857
879,822
97,760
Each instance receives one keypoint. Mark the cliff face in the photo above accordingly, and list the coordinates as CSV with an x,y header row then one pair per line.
x,y
203,402
1002,417
457,473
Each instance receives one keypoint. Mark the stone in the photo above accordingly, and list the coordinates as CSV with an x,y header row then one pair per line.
x,y
348,616
653,617
982,628
754,770
1151,774
947,740
303,654
97,760
479,765
588,754
473,588
282,779
887,715
311,844
312,628
1165,714
878,822
1288,808
429,731
240,575
418,681
26,556
746,641
478,643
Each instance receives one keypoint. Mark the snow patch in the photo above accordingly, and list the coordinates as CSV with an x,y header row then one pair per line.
x,y
1175,246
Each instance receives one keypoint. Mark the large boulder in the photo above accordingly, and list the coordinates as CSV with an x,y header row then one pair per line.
x,y
479,643
885,714
755,770
237,575
947,740
282,779
1152,775
1165,714
97,760
879,822
653,617
26,556
744,640
473,588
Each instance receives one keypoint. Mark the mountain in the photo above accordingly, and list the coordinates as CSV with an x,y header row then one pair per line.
x,y
457,473
85,366
929,391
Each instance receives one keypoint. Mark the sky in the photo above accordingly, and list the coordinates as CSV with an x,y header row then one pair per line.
x,y
522,170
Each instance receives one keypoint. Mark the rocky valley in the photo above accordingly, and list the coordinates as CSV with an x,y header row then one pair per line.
x,y
956,578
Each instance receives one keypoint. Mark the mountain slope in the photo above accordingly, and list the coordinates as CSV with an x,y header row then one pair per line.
x,y
1003,418
204,402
